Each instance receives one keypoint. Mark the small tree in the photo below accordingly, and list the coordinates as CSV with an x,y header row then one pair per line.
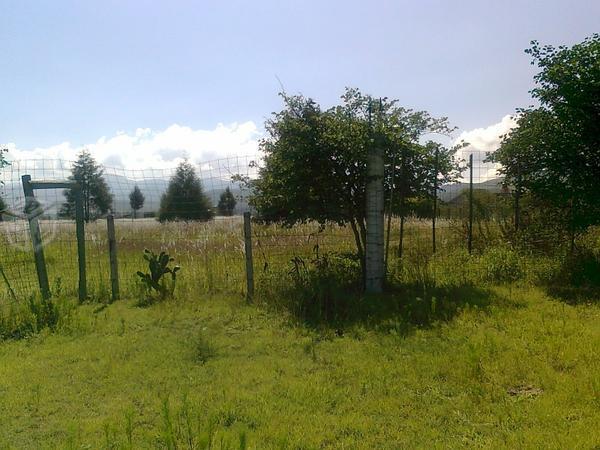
x,y
185,198
315,163
553,154
227,203
136,200
97,199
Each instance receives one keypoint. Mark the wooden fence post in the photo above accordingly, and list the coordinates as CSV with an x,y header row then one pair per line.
x,y
112,255
249,261
36,236
80,231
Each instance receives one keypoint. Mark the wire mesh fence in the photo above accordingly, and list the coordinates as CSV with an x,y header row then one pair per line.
x,y
212,252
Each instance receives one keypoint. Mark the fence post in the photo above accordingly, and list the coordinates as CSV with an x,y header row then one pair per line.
x,y
112,255
249,261
374,248
470,203
435,194
80,231
36,236
518,200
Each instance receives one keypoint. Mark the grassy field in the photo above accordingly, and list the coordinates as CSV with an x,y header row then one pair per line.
x,y
463,351
520,370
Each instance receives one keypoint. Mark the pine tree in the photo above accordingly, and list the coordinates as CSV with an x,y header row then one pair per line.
x,y
97,199
136,200
227,203
185,198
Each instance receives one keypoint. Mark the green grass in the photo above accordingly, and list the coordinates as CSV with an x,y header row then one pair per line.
x,y
520,370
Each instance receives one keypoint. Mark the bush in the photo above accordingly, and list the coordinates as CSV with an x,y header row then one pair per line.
x,y
501,265
580,269
317,290
18,321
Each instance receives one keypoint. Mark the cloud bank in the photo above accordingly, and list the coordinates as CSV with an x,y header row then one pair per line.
x,y
149,149
482,141
146,148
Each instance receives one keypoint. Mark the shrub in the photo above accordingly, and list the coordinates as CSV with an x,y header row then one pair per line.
x,y
154,282
317,289
501,264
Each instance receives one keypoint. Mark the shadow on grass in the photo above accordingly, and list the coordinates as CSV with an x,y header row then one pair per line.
x,y
400,310
575,295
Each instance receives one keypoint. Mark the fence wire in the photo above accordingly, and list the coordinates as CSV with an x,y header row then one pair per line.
x,y
212,253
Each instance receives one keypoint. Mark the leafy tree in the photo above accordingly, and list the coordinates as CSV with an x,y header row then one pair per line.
x,y
97,199
185,198
315,165
136,200
226,203
553,154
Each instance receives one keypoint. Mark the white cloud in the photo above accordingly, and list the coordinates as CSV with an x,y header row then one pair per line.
x,y
146,148
482,141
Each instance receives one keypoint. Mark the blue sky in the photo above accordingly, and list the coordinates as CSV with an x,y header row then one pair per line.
x,y
74,72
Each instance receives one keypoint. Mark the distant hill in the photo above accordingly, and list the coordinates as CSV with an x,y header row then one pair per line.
x,y
120,187
449,192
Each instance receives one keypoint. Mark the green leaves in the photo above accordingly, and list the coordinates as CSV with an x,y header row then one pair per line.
x,y
97,199
185,198
158,266
554,152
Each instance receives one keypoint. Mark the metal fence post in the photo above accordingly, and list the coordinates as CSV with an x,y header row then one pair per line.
x,y
249,261
112,254
36,236
470,203
435,194
518,200
80,231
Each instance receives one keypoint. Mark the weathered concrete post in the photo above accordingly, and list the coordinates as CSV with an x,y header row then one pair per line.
x,y
375,248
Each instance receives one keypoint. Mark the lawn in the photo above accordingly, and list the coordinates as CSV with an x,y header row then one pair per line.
x,y
521,370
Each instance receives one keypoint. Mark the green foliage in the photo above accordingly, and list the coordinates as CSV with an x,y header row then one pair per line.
x,y
136,200
580,269
155,281
315,165
554,152
203,348
227,203
97,199
185,198
18,321
501,264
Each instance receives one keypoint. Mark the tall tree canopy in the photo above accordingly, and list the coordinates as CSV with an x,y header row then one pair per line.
x,y
553,154
315,165
136,200
97,199
226,203
185,198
